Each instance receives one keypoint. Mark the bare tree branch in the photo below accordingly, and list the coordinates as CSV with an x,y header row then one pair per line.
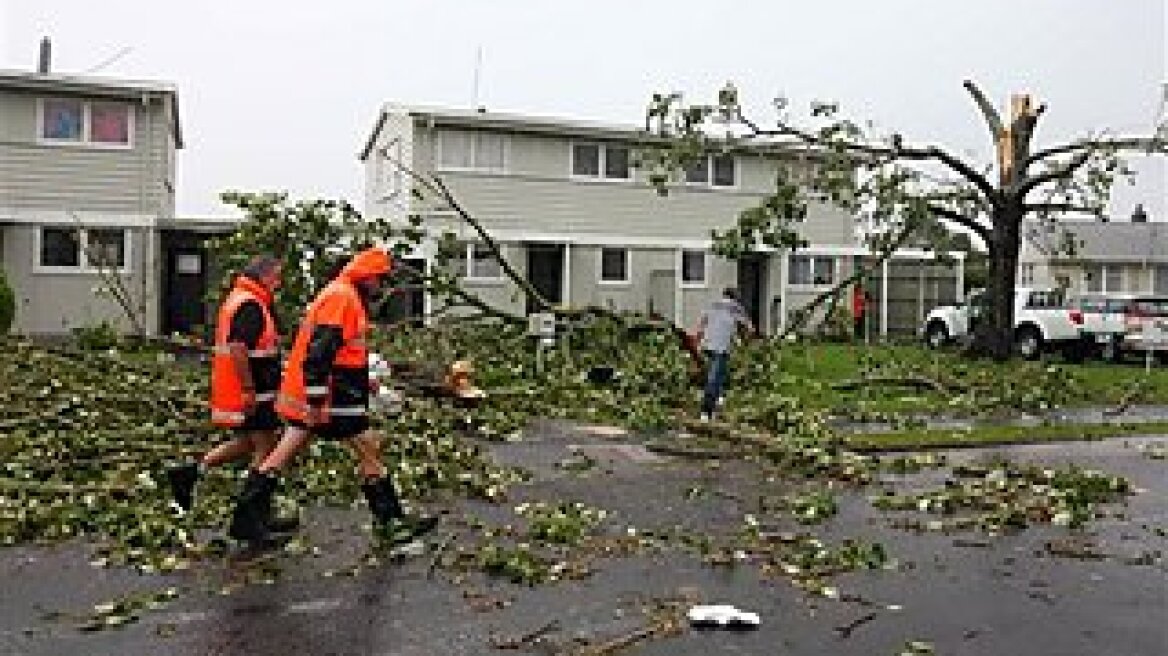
x,y
1069,208
1056,173
927,153
437,186
1150,144
992,117
962,220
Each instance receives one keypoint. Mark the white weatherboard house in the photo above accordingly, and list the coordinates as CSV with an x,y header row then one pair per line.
x,y
586,228
87,176
1109,257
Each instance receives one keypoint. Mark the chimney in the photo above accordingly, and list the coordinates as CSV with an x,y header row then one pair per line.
x,y
1139,215
44,62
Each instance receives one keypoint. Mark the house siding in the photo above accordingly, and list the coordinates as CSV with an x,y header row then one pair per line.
x,y
53,303
535,198
35,176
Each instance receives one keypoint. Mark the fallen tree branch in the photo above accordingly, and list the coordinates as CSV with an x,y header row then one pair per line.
x,y
527,639
918,382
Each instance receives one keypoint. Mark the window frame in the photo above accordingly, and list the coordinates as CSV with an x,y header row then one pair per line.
x,y
708,182
628,279
601,162
812,259
84,266
86,140
469,263
440,144
694,284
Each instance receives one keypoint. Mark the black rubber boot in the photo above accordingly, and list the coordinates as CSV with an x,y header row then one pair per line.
x,y
393,524
182,479
249,521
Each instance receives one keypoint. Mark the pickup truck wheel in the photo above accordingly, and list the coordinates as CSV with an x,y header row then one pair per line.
x,y
1076,351
936,336
1028,343
1111,352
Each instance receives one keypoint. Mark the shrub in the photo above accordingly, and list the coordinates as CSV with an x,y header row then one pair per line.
x,y
7,305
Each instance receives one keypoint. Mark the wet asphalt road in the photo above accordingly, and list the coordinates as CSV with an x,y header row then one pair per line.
x,y
964,593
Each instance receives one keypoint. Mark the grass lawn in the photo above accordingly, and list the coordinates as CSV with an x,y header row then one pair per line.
x,y
809,375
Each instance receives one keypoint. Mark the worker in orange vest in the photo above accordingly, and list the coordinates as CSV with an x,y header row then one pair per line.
x,y
324,393
245,372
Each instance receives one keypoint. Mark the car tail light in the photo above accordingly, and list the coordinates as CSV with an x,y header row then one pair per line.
x,y
1076,317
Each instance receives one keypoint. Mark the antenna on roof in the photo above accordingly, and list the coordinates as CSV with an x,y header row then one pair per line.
x,y
477,75
110,60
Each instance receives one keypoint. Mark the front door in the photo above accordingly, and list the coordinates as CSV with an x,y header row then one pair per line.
x,y
545,271
751,281
184,289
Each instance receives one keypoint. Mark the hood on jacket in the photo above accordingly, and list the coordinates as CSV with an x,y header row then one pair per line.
x,y
368,263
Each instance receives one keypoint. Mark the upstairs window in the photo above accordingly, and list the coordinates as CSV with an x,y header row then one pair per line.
x,y
101,124
485,151
713,171
600,161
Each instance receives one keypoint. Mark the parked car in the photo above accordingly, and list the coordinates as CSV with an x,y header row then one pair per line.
x,y
1103,323
1042,323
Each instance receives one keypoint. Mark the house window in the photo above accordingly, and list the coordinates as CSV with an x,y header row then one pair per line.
x,y
105,248
1026,274
1093,278
109,123
102,124
61,120
60,247
693,268
1112,279
485,151
614,265
807,270
83,249
723,167
713,170
600,161
481,263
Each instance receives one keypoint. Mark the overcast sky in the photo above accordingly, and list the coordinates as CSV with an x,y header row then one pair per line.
x,y
279,95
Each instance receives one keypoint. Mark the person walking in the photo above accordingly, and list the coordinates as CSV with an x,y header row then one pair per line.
x,y
245,372
324,393
859,311
716,331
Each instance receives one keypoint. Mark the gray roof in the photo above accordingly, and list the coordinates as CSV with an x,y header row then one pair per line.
x,y
511,122
1097,241
93,86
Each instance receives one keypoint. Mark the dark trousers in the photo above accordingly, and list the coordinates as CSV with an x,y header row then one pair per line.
x,y
719,365
858,326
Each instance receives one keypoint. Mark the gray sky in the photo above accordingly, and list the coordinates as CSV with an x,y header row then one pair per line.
x,y
278,95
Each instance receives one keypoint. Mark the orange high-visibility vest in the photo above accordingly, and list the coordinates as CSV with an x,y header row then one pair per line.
x,y
226,385
339,305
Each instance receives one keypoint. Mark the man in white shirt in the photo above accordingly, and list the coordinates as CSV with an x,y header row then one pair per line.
x,y
716,331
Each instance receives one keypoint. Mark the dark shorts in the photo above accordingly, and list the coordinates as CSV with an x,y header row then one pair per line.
x,y
340,428
263,419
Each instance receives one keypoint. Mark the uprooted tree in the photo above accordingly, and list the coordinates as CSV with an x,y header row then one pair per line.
x,y
901,192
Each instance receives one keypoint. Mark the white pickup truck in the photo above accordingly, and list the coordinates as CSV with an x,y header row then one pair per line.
x,y
1120,324
1042,323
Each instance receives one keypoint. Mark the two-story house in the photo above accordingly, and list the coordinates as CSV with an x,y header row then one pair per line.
x,y
582,223
1092,257
87,185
